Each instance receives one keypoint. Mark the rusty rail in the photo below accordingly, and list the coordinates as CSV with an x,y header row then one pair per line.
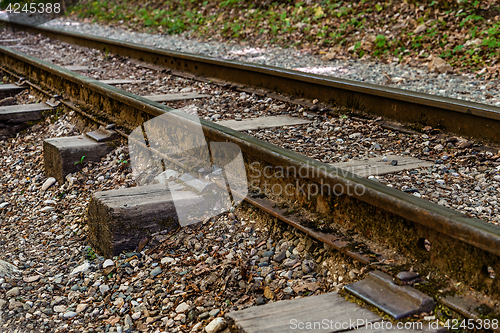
x,y
470,119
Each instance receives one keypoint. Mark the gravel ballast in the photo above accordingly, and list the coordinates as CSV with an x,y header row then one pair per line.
x,y
52,281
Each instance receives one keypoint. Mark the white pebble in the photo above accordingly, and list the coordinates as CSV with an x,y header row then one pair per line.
x,y
82,268
216,325
103,288
108,263
48,183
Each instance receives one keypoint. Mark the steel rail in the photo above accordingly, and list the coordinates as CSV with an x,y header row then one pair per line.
x,y
462,247
480,121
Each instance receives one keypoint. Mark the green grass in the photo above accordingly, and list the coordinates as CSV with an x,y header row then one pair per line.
x,y
319,26
80,161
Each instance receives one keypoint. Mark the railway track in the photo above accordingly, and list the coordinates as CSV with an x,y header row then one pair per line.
x,y
429,236
456,116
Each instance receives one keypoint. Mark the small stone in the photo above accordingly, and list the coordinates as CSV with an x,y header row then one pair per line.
x,y
13,304
183,307
103,288
260,301
56,300
268,254
300,247
288,290
214,312
217,325
108,263
81,307
14,292
169,322
30,279
306,268
119,302
108,270
203,315
180,317
59,308
197,327
127,321
48,183
3,205
290,262
81,269
155,272
7,269
69,314
438,147
136,315
167,261
394,162
407,276
280,257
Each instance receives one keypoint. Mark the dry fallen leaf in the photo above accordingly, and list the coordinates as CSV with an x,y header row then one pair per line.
x,y
268,293
306,287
